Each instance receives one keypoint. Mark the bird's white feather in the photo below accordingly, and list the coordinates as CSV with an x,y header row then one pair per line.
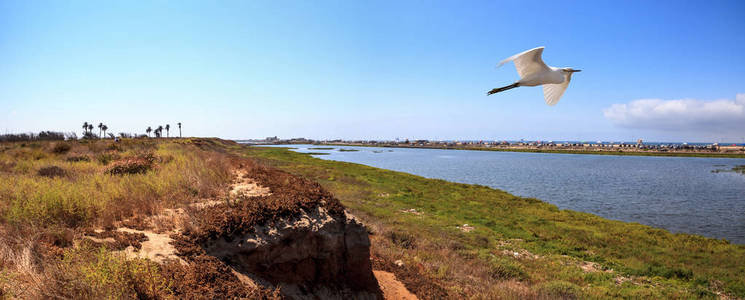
x,y
553,92
527,62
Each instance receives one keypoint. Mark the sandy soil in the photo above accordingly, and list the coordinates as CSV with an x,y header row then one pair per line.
x,y
157,247
242,187
391,287
247,187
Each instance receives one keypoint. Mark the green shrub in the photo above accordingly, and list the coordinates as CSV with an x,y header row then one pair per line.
x,y
505,268
105,158
51,202
560,290
97,274
402,239
656,269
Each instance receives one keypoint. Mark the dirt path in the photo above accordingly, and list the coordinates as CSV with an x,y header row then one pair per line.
x,y
391,287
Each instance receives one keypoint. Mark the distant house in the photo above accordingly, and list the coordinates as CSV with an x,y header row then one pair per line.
x,y
730,148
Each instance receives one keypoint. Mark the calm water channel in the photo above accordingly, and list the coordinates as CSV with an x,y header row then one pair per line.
x,y
680,194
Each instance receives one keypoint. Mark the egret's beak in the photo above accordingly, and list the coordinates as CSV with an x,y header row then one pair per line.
x,y
575,71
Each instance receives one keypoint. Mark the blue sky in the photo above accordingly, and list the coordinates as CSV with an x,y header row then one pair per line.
x,y
374,70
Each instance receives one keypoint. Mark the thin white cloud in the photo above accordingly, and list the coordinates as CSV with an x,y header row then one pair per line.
x,y
719,117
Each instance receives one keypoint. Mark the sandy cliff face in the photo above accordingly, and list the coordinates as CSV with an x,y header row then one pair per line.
x,y
271,230
313,254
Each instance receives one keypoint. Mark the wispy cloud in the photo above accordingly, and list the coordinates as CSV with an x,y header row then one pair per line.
x,y
719,117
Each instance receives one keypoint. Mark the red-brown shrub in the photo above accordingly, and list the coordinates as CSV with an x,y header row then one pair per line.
x,y
132,165
51,172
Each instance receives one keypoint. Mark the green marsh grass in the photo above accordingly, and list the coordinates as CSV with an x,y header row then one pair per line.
x,y
635,261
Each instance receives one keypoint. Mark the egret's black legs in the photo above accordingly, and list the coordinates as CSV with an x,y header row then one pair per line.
x,y
502,89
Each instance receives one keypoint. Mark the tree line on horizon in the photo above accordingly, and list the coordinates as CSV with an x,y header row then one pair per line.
x,y
41,136
88,133
159,130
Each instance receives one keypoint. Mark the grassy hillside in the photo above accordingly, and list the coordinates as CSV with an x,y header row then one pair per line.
x,y
514,247
70,183
54,193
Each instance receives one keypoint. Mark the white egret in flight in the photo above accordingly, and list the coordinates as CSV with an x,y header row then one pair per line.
x,y
533,72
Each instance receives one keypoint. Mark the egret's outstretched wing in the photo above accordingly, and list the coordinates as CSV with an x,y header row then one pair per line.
x,y
553,92
527,62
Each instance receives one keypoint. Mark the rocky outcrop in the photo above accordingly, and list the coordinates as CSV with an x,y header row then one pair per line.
x,y
312,255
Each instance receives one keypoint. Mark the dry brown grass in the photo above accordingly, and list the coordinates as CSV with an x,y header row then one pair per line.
x,y
22,275
209,278
42,216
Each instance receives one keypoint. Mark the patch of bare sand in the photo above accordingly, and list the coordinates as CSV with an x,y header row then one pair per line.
x,y
466,228
246,187
520,254
100,240
391,287
170,220
157,247
241,187
588,267
158,228
412,211
206,203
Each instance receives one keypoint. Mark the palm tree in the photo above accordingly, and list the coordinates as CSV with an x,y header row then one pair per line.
x,y
90,128
148,130
159,131
104,128
85,127
168,129
179,129
100,125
